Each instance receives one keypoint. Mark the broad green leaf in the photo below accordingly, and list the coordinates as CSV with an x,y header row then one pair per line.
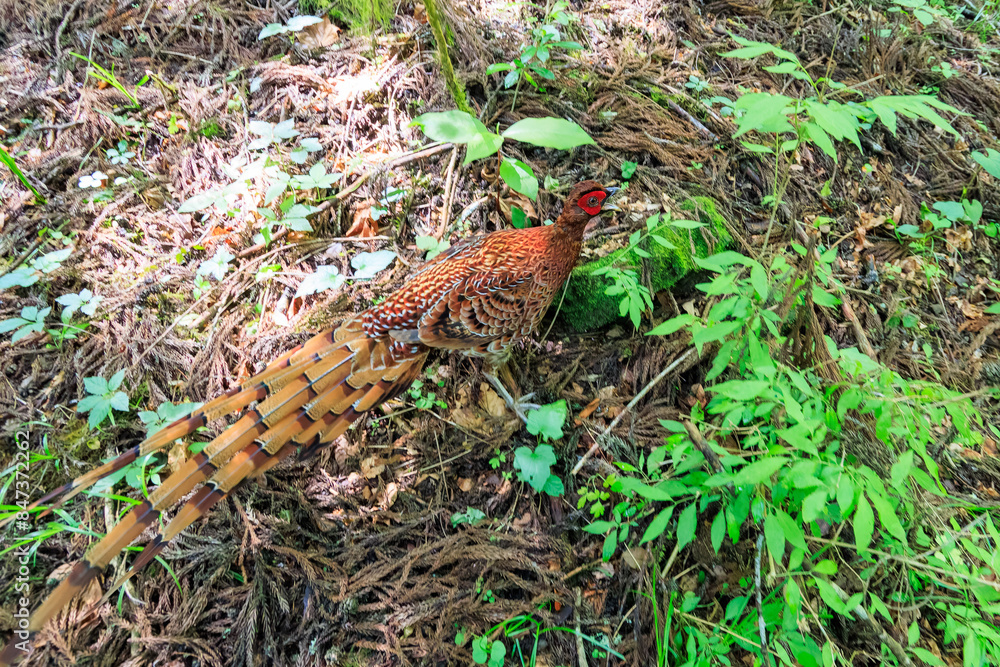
x,y
675,324
657,525
297,23
218,265
22,276
989,161
610,544
836,119
820,138
599,527
519,177
741,390
747,52
718,532
887,516
758,471
758,278
549,132
665,490
325,278
687,523
460,128
535,466
367,264
864,524
547,421
554,487
432,246
764,112
830,596
786,67
793,532
823,298
813,505
51,261
774,536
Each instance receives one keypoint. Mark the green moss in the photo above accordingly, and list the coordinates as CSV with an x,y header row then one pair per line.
x,y
363,16
587,307
211,129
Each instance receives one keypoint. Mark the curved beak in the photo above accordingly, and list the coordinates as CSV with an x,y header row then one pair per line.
x,y
610,203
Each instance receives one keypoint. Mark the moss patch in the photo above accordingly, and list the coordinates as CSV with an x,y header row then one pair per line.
x,y
587,307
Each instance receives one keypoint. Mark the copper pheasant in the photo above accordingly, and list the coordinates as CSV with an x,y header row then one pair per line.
x,y
479,297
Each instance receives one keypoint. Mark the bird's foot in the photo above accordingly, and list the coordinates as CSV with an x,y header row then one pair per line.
x,y
518,406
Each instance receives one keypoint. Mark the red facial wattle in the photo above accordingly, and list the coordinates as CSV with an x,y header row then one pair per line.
x,y
591,202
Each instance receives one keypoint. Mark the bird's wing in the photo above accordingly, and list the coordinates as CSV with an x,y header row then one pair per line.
x,y
480,297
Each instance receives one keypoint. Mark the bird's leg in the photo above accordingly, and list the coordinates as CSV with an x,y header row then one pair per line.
x,y
517,406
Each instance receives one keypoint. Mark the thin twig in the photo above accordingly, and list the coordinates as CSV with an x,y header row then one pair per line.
x,y
445,207
628,408
470,209
702,445
406,158
677,109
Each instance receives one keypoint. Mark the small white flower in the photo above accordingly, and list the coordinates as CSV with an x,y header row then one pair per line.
x,y
120,180
94,180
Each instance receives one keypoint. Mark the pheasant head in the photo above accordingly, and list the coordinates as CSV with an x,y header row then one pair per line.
x,y
587,200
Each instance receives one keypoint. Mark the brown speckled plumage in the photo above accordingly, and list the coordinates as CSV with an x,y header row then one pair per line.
x,y
479,297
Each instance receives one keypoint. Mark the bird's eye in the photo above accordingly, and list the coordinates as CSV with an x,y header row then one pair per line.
x,y
592,201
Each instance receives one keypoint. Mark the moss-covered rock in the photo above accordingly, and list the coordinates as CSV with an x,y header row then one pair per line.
x,y
586,306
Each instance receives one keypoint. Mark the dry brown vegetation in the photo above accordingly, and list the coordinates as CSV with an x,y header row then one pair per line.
x,y
350,558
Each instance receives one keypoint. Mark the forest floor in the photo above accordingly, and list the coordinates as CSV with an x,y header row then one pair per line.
x,y
361,556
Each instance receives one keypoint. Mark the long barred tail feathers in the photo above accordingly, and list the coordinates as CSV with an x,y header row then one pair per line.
x,y
308,398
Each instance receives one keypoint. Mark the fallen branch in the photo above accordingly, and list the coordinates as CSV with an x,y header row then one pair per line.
x,y
628,408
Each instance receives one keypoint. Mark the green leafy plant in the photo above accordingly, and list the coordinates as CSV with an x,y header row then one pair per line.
x,y
989,160
535,468
218,265
696,85
108,78
628,169
795,458
32,320
8,161
85,301
325,278
120,155
636,297
493,652
289,27
922,10
271,133
471,516
818,119
26,276
103,396
943,215
425,400
547,421
367,265
165,414
432,246
462,128
535,58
